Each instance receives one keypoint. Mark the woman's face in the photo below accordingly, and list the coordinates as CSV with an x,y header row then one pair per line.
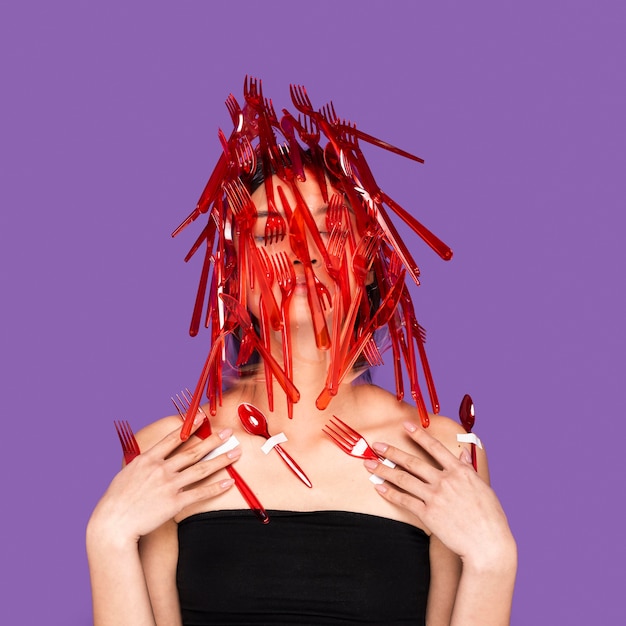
x,y
311,195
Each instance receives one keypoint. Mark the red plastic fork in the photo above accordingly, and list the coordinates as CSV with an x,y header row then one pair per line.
x,y
243,319
361,264
288,125
380,318
265,325
336,254
354,154
236,114
310,134
372,353
130,447
286,279
297,240
244,210
328,111
275,225
349,440
182,404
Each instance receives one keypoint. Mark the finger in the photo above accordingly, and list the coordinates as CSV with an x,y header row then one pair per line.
x,y
403,480
399,498
163,448
205,468
433,446
205,492
191,454
416,466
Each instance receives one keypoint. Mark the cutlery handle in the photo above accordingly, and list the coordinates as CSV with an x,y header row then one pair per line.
x,y
253,502
328,392
383,144
248,495
396,241
442,249
207,196
466,415
287,361
322,338
261,280
293,466
197,394
430,383
200,296
288,387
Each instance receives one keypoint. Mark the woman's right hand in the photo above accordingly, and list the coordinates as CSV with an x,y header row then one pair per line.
x,y
159,484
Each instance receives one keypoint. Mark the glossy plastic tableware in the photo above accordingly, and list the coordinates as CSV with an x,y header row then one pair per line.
x,y
380,318
349,440
299,245
182,403
467,417
243,318
286,279
255,422
130,447
244,210
275,226
355,155
328,111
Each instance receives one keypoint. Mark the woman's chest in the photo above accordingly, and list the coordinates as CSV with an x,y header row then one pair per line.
x,y
339,481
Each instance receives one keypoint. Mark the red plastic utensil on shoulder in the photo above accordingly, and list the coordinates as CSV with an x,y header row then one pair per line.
x,y
467,417
130,447
182,404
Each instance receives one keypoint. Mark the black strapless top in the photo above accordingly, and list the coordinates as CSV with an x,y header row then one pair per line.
x,y
320,567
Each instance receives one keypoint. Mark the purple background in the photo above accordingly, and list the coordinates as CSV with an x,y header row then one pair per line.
x,y
108,133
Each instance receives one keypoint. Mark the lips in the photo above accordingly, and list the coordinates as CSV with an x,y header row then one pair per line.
x,y
300,287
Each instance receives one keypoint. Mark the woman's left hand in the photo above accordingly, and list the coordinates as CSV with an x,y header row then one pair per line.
x,y
453,502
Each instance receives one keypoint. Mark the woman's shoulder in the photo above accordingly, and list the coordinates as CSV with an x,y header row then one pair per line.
x,y
154,432
383,418
157,430
384,411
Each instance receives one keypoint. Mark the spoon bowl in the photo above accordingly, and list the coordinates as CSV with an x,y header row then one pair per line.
x,y
255,423
253,420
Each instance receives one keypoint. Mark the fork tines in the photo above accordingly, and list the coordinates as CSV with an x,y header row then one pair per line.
x,y
182,404
341,433
130,447
233,109
337,436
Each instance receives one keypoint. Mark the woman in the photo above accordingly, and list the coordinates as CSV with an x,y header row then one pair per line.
x,y
300,240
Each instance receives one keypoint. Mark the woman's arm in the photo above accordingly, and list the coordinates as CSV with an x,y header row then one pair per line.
x,y
159,557
143,498
445,573
464,514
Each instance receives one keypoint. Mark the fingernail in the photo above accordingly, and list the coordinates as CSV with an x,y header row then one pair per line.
x,y
380,447
225,484
410,427
226,433
381,488
233,454
198,419
370,464
466,457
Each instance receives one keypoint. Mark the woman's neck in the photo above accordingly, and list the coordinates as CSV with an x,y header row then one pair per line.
x,y
306,416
